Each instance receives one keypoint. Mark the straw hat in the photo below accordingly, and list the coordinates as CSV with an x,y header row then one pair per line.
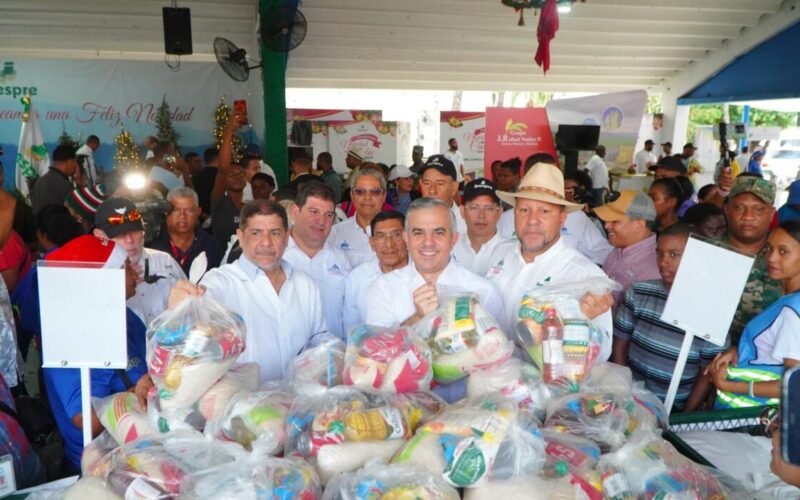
x,y
543,182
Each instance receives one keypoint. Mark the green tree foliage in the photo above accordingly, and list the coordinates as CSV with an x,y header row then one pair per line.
x,y
710,114
166,132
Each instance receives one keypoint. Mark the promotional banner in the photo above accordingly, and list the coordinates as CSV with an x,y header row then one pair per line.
x,y
373,141
469,129
330,115
619,115
100,97
516,132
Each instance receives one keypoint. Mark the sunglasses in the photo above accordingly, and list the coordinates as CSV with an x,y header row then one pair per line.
x,y
116,220
364,191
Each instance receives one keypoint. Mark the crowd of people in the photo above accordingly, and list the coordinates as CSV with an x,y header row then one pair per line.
x,y
308,261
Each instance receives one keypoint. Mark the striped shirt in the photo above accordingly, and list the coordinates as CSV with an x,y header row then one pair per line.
x,y
655,345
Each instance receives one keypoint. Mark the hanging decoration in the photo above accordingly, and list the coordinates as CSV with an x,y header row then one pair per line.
x,y
520,6
126,154
546,32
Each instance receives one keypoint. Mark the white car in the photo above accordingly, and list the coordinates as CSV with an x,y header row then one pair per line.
x,y
783,164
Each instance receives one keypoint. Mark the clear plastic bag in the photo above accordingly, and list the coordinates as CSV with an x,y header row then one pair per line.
x,y
476,440
255,420
191,347
342,429
649,467
573,458
256,478
94,453
391,360
390,482
650,410
569,359
514,379
123,417
153,468
240,378
605,418
464,338
318,368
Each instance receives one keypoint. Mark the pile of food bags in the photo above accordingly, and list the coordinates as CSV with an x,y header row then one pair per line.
x,y
387,359
464,338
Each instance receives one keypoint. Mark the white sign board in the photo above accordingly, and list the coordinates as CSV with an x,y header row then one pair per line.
x,y
83,316
713,276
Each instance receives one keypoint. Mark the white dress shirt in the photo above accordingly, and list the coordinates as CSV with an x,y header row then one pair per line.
x,y
390,300
478,262
279,325
513,277
329,269
457,158
86,151
641,160
151,298
578,232
598,171
355,293
348,237
461,224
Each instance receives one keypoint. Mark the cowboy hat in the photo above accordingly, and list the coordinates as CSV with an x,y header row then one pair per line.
x,y
544,182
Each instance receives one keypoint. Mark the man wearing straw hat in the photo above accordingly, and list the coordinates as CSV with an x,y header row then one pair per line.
x,y
538,256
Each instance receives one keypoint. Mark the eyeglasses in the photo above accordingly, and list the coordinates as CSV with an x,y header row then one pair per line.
x,y
383,237
183,212
132,216
364,191
488,209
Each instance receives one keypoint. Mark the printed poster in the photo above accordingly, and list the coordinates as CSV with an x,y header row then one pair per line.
x,y
469,129
516,132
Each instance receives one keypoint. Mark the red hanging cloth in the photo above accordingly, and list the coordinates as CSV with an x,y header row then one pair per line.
x,y
548,25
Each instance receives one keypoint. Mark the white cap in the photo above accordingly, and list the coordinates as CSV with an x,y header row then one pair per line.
x,y
399,172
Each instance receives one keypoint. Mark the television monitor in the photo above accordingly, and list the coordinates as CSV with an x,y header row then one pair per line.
x,y
577,137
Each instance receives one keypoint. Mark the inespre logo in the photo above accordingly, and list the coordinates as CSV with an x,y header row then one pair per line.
x,y
9,75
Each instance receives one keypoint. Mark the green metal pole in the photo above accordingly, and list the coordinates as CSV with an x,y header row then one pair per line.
x,y
276,152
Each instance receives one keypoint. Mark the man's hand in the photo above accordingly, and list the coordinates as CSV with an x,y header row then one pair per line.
x,y
425,299
718,375
143,386
725,179
632,169
594,305
722,360
182,291
235,123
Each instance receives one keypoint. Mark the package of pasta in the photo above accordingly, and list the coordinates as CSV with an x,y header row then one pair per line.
x,y
318,368
605,418
390,482
255,420
514,379
387,359
554,332
153,468
243,377
649,467
191,347
464,338
347,426
255,478
123,417
476,440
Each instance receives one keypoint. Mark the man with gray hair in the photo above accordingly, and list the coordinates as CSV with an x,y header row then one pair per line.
x,y
184,239
351,236
406,295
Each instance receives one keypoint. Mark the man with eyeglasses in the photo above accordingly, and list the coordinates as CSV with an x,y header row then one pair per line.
x,y
309,251
351,236
481,211
183,238
117,219
387,242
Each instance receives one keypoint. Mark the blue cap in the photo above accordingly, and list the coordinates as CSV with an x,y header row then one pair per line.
x,y
794,193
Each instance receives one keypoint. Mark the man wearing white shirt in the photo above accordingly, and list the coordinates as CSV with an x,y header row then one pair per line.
x,y
643,159
280,305
351,236
598,171
438,179
539,256
87,151
481,211
392,253
308,250
457,157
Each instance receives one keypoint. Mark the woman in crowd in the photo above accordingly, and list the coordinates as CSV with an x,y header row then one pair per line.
x,y
770,343
708,218
668,195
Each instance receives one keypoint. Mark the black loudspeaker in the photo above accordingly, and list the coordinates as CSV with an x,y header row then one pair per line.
x,y
177,31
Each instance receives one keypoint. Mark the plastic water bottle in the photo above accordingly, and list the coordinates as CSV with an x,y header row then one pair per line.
x,y
552,346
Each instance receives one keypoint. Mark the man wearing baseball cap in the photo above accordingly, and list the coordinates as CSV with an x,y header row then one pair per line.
x,y
629,222
666,150
669,166
403,193
749,211
481,211
438,179
538,255
117,219
643,159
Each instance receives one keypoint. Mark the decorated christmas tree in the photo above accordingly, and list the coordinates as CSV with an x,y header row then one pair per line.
x,y
66,140
126,154
166,132
222,115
